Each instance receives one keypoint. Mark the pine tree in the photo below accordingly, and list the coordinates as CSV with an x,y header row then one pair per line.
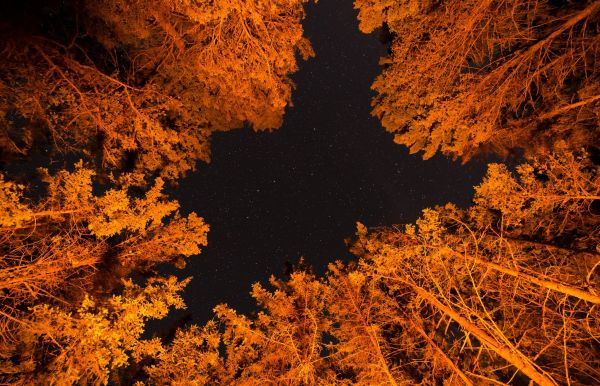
x,y
89,346
499,289
74,243
143,84
466,77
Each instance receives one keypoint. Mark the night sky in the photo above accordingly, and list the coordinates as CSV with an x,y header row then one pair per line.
x,y
271,197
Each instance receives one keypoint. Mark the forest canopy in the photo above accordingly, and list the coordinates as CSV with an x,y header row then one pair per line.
x,y
143,84
471,77
505,291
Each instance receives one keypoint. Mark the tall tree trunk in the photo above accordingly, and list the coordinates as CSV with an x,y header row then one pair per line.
x,y
508,353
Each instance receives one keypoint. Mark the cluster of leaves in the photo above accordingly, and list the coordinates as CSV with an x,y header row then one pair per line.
x,y
466,77
70,246
90,345
143,84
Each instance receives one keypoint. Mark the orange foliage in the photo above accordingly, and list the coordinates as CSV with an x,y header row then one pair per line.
x,y
504,292
470,76
89,347
74,242
463,297
509,288
149,80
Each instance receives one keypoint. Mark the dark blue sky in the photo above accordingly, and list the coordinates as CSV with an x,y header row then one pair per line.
x,y
272,197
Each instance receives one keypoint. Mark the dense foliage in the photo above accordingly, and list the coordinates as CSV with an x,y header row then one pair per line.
x,y
505,292
62,251
466,77
475,296
143,84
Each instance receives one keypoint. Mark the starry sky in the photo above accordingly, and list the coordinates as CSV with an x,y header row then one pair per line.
x,y
271,197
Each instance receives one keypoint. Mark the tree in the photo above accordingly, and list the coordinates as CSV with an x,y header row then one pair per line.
x,y
90,346
282,345
483,295
466,77
499,290
552,198
143,84
193,358
74,242
362,312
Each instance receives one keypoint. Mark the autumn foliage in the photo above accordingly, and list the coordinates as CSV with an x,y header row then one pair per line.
x,y
504,292
463,297
64,250
143,84
469,77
